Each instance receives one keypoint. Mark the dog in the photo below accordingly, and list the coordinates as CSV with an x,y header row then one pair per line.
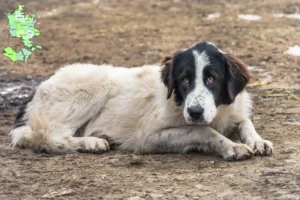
x,y
192,102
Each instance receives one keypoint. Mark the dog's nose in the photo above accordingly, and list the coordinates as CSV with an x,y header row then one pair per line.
x,y
196,112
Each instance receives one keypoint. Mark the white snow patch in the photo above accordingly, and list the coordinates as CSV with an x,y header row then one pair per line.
x,y
21,96
213,15
251,67
250,17
294,50
6,91
290,16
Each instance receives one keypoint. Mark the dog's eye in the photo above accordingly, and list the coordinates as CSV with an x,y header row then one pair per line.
x,y
210,80
186,81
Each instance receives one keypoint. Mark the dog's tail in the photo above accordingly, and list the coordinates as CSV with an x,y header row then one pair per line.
x,y
34,130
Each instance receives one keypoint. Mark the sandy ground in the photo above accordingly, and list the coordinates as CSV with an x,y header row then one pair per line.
x,y
132,33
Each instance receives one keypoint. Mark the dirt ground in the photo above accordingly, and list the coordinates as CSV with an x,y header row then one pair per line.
x,y
132,33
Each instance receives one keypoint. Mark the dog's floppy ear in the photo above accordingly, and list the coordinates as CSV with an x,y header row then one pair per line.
x,y
167,73
237,76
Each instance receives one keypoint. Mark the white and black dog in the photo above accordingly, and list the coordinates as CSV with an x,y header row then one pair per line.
x,y
91,108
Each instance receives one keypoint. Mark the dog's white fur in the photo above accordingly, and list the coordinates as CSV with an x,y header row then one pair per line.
x,y
128,107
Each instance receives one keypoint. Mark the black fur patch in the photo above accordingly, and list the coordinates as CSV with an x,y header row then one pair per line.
x,y
20,117
184,67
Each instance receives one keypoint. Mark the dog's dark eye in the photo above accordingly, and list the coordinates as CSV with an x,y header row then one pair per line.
x,y
210,80
185,81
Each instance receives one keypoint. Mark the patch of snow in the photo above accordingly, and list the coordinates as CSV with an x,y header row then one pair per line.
x,y
290,16
251,67
294,50
6,91
213,15
21,96
250,17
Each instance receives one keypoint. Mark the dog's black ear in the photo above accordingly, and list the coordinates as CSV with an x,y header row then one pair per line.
x,y
167,73
237,76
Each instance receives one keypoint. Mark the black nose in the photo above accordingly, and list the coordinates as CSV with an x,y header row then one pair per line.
x,y
196,112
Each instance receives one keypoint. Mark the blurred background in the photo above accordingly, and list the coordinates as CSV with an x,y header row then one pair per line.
x,y
265,34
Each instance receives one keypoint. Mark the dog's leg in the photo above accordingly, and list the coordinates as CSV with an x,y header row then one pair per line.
x,y
52,128
250,137
205,138
88,144
53,138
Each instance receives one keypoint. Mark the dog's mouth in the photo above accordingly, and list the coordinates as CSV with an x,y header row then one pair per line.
x,y
192,121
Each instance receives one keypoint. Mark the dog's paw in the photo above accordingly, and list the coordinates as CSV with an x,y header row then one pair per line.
x,y
237,152
261,147
93,145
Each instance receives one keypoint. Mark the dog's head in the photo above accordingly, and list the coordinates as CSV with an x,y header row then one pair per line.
x,y
202,78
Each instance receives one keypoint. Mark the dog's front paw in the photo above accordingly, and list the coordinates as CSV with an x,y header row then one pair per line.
x,y
93,145
237,152
260,147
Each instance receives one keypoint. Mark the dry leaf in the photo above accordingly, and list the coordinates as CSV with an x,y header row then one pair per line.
x,y
255,84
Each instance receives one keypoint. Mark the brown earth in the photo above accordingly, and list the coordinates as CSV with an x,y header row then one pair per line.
x,y
132,33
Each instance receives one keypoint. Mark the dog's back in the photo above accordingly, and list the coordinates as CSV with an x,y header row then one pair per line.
x,y
98,101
